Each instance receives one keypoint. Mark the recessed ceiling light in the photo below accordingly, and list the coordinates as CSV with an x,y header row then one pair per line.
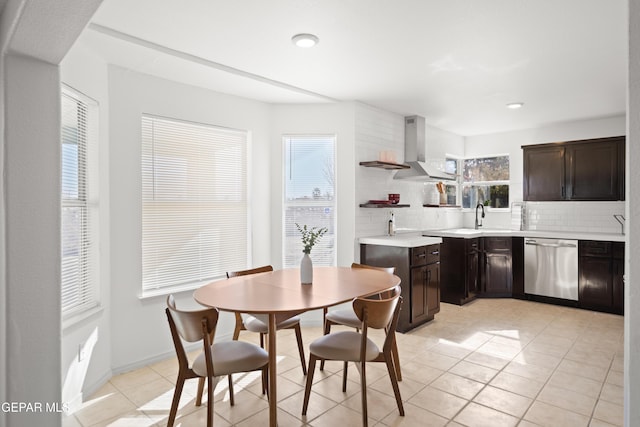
x,y
515,105
305,40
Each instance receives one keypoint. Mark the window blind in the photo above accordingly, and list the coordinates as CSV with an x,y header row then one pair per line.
x,y
309,196
79,204
194,203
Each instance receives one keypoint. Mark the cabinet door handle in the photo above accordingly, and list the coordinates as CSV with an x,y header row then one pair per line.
x,y
435,253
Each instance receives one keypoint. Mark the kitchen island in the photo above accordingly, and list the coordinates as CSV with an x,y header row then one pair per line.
x,y
416,259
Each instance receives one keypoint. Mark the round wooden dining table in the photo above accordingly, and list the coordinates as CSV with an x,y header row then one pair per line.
x,y
280,294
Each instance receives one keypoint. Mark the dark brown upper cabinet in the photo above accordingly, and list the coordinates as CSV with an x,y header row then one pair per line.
x,y
544,174
577,170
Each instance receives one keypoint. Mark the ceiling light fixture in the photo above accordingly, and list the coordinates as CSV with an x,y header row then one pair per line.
x,y
305,40
515,105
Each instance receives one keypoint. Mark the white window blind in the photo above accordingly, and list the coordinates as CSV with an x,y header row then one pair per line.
x,y
309,197
194,203
79,204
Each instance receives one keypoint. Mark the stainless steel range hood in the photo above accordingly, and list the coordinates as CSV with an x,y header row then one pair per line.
x,y
414,150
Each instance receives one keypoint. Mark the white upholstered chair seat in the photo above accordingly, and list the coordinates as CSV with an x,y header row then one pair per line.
x,y
344,345
230,357
344,317
259,323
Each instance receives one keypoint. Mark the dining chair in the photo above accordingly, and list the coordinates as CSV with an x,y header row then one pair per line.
x,y
259,323
348,317
352,346
215,360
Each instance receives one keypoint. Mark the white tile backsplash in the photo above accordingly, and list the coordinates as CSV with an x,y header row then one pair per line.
x,y
376,131
593,217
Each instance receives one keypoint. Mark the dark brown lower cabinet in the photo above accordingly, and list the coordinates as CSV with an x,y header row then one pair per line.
x,y
600,276
618,277
460,268
425,292
497,277
517,265
419,272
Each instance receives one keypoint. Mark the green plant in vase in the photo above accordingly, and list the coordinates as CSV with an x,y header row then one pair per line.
x,y
310,237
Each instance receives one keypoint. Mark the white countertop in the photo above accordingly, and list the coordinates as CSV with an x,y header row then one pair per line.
x,y
403,240
431,237
469,233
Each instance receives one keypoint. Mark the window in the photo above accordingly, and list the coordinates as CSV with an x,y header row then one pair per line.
x,y
486,181
79,225
195,224
309,196
451,187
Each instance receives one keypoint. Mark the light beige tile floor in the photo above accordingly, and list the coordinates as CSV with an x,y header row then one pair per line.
x,y
493,362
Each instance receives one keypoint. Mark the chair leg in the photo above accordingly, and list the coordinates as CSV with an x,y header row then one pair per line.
x,y
344,376
265,381
394,382
396,360
176,400
231,401
396,356
307,388
261,340
327,330
363,392
200,391
301,348
210,385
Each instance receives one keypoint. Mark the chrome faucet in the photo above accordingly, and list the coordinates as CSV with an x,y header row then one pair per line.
x,y
479,223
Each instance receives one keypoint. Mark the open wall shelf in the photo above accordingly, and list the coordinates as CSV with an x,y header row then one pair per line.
x,y
383,165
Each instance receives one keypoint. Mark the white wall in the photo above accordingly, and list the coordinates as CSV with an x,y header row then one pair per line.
x,y
632,269
87,74
139,331
33,235
33,39
511,142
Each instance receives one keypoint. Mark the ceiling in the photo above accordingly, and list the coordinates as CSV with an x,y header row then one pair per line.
x,y
455,62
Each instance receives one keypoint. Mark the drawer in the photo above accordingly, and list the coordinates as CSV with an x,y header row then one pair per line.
x,y
472,245
433,254
595,248
497,244
425,255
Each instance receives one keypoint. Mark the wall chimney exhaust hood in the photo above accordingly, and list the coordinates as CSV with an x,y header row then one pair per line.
x,y
414,150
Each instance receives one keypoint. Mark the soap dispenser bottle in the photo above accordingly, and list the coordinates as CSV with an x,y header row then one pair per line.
x,y
392,225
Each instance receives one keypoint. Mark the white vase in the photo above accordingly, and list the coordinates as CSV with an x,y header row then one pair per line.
x,y
306,270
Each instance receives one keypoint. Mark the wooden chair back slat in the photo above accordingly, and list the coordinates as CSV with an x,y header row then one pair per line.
x,y
188,324
256,270
379,312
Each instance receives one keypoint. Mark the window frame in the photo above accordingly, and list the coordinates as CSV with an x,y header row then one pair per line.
x,y
87,199
285,203
148,290
462,183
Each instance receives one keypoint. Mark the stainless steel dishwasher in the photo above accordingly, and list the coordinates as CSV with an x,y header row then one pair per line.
x,y
551,268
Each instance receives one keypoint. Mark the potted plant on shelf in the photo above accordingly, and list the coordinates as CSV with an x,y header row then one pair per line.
x,y
309,238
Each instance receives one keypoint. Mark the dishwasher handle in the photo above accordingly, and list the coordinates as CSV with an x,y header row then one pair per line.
x,y
550,245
